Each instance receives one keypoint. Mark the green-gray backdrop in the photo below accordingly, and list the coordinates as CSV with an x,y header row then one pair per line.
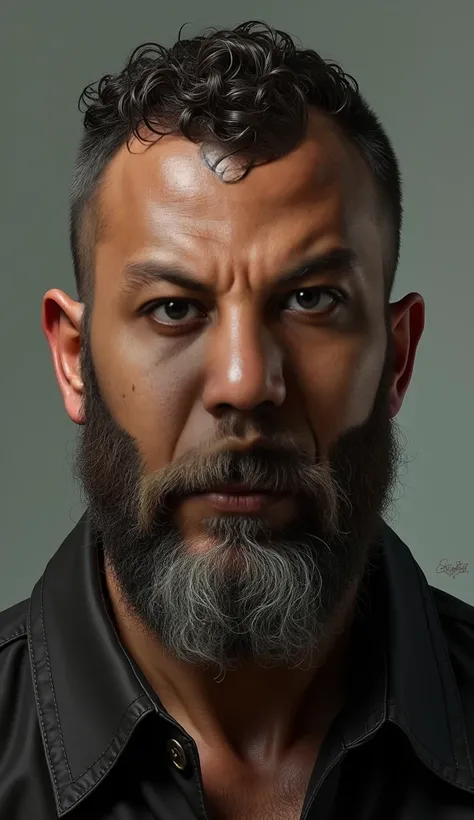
x,y
413,59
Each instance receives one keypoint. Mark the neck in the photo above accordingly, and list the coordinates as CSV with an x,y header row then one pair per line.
x,y
254,711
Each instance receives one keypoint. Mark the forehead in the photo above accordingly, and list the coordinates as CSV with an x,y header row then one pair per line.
x,y
161,200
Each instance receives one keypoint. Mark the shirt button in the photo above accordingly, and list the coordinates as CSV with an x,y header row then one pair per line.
x,y
177,754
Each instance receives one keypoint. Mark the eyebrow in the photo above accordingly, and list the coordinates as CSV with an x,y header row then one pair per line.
x,y
139,274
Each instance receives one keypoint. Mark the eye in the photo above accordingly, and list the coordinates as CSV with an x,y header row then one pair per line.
x,y
173,311
314,300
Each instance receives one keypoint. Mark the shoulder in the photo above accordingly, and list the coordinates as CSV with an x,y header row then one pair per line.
x,y
14,657
24,785
15,673
456,616
13,625
457,623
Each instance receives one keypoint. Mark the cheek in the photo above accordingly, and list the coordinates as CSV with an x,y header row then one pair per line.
x,y
155,416
149,394
340,386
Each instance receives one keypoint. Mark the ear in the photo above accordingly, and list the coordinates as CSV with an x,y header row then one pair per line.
x,y
407,324
61,321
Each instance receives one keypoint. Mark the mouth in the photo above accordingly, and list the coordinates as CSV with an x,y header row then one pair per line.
x,y
240,498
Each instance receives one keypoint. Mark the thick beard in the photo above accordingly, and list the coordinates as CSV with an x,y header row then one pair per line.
x,y
251,592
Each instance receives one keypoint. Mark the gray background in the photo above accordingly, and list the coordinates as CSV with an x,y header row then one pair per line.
x,y
413,60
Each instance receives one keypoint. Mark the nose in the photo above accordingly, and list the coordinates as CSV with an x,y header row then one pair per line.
x,y
244,364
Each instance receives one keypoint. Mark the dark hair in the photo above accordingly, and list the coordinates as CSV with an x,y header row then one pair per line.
x,y
243,91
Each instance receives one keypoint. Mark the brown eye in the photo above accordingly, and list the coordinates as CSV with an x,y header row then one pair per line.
x,y
174,311
313,300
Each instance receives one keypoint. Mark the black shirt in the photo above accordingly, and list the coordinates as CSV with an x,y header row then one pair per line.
x,y
82,735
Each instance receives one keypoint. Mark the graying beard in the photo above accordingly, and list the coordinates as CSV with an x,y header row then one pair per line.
x,y
238,596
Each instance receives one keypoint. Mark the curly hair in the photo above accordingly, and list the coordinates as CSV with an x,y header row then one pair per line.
x,y
242,93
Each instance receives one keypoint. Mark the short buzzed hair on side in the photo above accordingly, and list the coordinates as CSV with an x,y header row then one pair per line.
x,y
241,92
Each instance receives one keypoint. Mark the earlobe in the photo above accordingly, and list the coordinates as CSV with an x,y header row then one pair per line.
x,y
407,320
62,323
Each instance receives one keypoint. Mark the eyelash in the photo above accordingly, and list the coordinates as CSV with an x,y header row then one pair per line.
x,y
337,295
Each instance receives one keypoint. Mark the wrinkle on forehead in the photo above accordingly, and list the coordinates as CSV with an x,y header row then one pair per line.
x,y
162,192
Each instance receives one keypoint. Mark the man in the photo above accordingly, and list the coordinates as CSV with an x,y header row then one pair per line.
x,y
232,630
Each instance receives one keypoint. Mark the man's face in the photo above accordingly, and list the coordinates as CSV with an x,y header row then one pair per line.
x,y
197,395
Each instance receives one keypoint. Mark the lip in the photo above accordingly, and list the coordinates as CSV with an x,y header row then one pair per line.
x,y
239,499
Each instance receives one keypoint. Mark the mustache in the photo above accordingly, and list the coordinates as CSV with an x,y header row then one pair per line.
x,y
276,464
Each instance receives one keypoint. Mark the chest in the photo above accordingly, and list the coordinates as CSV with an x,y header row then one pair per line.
x,y
242,806
247,799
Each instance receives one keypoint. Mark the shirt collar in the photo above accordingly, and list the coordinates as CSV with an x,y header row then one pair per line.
x,y
90,696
